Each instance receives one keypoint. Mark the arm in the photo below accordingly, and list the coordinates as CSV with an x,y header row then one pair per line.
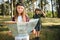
x,y
9,22
43,14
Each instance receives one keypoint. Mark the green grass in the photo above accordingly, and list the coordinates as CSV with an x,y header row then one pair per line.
x,y
50,20
6,37
47,32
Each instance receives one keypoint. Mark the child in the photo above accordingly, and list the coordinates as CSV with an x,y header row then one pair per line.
x,y
20,15
38,14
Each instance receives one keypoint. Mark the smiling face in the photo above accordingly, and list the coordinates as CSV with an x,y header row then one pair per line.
x,y
20,9
37,12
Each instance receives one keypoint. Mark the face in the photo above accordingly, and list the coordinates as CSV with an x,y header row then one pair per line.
x,y
20,9
38,12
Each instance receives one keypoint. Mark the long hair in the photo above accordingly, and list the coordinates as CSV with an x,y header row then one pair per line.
x,y
23,13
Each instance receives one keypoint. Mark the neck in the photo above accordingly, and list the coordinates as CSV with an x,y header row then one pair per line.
x,y
19,15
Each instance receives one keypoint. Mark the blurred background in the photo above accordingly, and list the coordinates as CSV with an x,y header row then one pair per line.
x,y
50,7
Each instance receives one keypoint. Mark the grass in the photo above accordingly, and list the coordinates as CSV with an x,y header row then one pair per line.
x,y
48,32
50,20
6,37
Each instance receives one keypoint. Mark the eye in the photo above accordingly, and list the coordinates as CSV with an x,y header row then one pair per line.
x,y
18,7
21,8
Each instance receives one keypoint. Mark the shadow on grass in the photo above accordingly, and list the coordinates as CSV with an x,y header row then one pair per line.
x,y
54,27
47,33
6,37
50,32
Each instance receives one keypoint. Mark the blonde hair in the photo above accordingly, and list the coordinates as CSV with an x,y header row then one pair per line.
x,y
23,14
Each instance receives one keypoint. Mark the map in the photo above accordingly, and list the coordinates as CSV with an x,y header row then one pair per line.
x,y
22,27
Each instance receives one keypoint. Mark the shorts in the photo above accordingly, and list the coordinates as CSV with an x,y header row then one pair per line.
x,y
38,26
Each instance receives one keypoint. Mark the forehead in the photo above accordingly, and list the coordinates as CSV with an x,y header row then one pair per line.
x,y
20,6
37,11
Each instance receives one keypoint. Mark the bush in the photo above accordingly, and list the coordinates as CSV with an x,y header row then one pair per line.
x,y
30,14
49,14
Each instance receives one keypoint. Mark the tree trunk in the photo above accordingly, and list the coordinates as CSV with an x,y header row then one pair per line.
x,y
12,9
3,8
9,7
52,9
41,4
58,9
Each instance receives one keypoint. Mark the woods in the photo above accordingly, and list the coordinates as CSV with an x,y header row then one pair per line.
x,y
8,7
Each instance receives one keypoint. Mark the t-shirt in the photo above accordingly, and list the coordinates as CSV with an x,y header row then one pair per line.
x,y
39,17
19,19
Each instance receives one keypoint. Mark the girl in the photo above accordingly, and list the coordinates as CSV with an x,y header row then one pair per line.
x,y
38,14
20,15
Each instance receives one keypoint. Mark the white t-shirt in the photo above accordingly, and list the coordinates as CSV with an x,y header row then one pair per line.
x,y
20,19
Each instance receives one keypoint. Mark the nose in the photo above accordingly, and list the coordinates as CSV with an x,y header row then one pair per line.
x,y
20,9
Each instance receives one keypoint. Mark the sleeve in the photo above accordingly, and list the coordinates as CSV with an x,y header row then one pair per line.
x,y
13,18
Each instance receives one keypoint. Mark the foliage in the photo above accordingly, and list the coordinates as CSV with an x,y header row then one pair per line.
x,y
49,14
30,14
55,14
28,5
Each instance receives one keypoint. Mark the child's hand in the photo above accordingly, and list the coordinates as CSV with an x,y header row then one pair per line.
x,y
34,31
9,33
43,14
